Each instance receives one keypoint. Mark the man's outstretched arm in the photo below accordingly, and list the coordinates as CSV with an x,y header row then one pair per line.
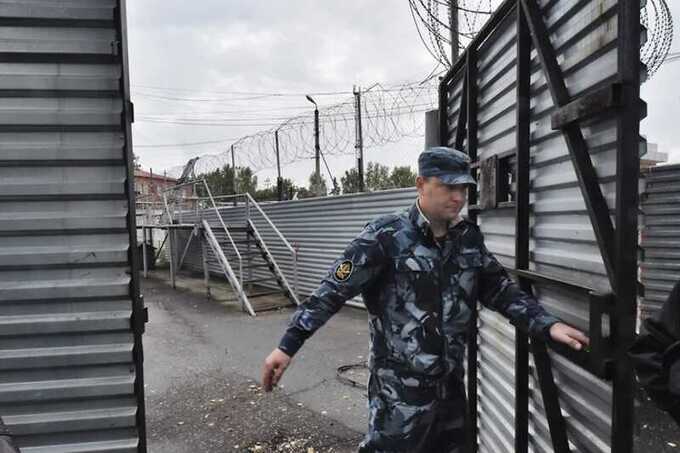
x,y
352,273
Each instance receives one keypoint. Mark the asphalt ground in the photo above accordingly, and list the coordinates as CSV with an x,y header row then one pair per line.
x,y
203,359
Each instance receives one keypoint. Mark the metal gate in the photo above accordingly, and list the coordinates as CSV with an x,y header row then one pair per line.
x,y
71,316
546,102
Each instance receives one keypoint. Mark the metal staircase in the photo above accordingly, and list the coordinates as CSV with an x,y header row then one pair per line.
x,y
238,248
257,273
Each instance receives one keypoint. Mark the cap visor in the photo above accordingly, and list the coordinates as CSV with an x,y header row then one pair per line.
x,y
457,179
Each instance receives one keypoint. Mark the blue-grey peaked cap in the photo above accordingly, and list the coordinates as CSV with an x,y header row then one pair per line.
x,y
449,165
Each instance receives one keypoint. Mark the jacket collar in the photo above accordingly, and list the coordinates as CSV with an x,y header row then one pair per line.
x,y
422,223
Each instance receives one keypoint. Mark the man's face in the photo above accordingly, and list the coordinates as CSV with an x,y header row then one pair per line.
x,y
441,201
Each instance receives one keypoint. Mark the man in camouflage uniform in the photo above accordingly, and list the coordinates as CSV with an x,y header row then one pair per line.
x,y
419,272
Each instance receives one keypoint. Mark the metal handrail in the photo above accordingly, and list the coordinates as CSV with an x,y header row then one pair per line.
x,y
226,230
167,209
238,287
294,252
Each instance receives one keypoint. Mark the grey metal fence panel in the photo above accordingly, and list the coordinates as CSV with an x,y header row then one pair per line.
x,y
321,228
562,242
68,379
660,267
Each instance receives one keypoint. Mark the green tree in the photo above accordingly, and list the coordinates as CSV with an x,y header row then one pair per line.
x,y
272,194
350,182
378,177
220,181
403,177
246,181
317,185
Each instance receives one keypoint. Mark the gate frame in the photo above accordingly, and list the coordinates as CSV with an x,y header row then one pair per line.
x,y
607,357
139,312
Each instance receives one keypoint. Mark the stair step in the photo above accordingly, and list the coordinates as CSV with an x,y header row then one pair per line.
x,y
238,228
253,266
256,280
243,254
264,293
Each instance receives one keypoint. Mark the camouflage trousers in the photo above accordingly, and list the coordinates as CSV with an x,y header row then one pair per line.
x,y
409,415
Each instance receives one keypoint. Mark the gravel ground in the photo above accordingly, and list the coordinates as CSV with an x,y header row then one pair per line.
x,y
219,413
202,359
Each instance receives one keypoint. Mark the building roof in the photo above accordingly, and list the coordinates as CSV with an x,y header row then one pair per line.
x,y
139,173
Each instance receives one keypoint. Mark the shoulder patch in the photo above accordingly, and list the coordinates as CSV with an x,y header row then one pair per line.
x,y
343,271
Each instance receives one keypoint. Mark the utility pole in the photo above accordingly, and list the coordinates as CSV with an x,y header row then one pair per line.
x,y
359,146
279,180
233,172
317,148
455,37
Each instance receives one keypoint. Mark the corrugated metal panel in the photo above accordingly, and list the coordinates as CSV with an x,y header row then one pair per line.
x,y
660,266
68,380
562,242
321,228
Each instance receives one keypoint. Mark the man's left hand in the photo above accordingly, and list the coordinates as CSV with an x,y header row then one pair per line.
x,y
562,333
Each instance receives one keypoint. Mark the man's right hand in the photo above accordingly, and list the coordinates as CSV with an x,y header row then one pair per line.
x,y
273,369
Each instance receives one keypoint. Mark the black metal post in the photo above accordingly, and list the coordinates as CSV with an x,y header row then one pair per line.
x,y
472,197
462,117
279,180
317,148
522,126
550,394
139,313
455,37
625,245
359,139
233,172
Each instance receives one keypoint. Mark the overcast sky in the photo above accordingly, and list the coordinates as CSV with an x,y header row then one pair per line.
x,y
209,49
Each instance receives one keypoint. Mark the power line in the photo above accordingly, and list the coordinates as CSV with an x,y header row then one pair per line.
x,y
186,144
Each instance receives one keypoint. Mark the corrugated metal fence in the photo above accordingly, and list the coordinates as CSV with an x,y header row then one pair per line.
x,y
660,236
486,88
319,227
70,375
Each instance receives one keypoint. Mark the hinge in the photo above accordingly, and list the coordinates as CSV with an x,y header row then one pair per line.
x,y
131,111
140,316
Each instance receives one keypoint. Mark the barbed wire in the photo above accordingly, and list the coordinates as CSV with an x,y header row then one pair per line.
x,y
433,19
657,19
389,114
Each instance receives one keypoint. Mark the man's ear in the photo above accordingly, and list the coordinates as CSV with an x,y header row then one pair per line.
x,y
420,182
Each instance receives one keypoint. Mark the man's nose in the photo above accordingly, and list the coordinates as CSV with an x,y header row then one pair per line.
x,y
457,196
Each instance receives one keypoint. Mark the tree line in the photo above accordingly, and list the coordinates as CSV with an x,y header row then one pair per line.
x,y
376,177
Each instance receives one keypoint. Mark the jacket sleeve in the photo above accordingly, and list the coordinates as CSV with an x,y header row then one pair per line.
x,y
351,274
500,293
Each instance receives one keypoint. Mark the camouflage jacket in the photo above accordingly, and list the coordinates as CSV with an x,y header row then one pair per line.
x,y
418,292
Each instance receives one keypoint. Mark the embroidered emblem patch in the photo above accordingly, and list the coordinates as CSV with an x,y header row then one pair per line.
x,y
343,271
